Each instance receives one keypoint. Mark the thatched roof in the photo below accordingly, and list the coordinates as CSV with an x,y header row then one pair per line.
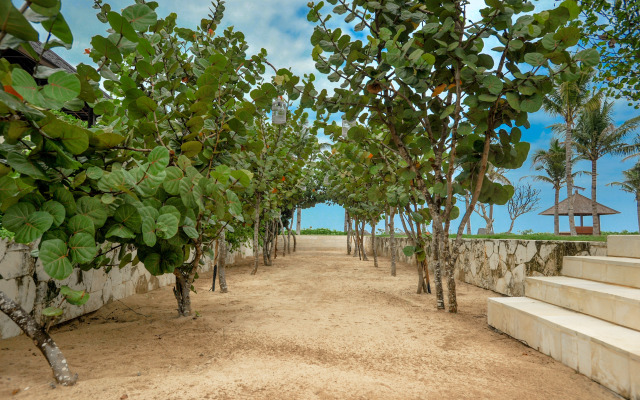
x,y
581,206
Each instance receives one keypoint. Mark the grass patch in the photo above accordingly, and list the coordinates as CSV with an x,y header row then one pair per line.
x,y
537,236
321,231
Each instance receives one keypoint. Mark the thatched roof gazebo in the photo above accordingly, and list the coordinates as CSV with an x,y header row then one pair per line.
x,y
581,207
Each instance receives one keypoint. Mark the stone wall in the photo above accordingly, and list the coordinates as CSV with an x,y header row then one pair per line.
x,y
23,279
501,265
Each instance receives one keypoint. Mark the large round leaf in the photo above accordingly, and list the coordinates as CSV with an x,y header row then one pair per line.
x,y
140,16
82,247
158,160
27,224
62,87
75,297
152,264
55,259
92,207
172,182
56,210
149,231
81,223
25,85
129,216
166,226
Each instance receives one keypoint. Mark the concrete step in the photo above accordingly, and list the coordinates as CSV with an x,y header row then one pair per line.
x,y
623,246
613,303
605,352
616,270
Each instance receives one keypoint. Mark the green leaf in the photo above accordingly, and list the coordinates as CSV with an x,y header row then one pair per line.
x,y
23,83
56,210
242,176
146,104
81,224
409,251
62,87
121,26
59,28
52,312
120,231
14,23
104,47
27,224
493,84
64,197
82,247
171,183
23,165
191,149
145,69
531,104
158,160
534,59
572,6
152,264
588,57
166,226
140,16
94,173
190,231
129,216
92,207
149,231
73,138
55,260
75,297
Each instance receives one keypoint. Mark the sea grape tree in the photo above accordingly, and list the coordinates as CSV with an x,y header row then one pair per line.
x,y
449,88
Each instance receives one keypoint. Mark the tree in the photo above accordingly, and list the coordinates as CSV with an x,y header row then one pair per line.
x,y
525,199
422,74
568,100
494,175
631,184
552,162
611,27
596,136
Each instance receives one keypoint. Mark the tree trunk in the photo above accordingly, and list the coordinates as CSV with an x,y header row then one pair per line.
x,y
364,253
216,257
348,230
451,280
392,239
386,224
256,230
295,243
594,203
299,220
513,221
356,243
490,223
289,234
283,237
182,292
275,236
437,268
568,143
556,213
638,209
373,244
467,205
346,219
40,338
222,262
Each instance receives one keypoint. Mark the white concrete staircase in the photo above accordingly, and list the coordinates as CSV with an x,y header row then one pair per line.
x,y
589,318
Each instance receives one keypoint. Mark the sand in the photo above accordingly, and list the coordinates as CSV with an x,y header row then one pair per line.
x,y
316,325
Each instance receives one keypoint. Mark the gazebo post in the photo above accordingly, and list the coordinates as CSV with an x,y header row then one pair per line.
x,y
582,220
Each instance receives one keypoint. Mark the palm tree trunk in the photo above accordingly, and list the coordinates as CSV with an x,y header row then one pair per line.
x,y
638,209
392,237
568,143
594,203
556,213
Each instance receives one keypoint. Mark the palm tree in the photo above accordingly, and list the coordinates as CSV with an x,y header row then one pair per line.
x,y
596,136
552,162
631,184
568,100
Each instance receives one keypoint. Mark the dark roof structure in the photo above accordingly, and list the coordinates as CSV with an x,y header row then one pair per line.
x,y
49,59
581,207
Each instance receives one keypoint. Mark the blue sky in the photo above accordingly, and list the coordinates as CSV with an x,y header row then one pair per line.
x,y
282,29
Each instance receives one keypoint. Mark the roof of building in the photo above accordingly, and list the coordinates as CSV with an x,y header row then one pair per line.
x,y
581,206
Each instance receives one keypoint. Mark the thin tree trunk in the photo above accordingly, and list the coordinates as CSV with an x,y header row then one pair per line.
x,y
41,339
451,279
348,230
256,229
181,292
594,202
467,205
569,176
556,213
392,239
373,244
222,262
289,234
216,257
364,253
437,268
638,209
386,224
284,241
295,243
265,245
346,219
356,247
490,224
513,221
299,220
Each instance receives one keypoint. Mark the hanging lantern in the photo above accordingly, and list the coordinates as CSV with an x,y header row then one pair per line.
x,y
278,111
346,125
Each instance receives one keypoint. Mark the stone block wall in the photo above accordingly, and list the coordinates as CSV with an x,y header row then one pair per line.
x,y
23,279
502,265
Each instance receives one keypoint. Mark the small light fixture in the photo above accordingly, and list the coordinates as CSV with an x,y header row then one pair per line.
x,y
279,111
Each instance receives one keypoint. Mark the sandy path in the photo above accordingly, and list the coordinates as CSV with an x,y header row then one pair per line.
x,y
316,325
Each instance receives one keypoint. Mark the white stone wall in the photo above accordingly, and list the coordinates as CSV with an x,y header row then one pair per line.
x,y
501,265
22,278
